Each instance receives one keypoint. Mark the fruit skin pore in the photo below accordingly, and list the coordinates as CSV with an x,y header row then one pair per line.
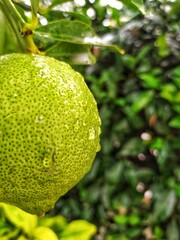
x,y
49,130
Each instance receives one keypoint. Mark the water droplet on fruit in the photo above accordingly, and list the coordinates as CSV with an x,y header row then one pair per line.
x,y
91,133
47,162
98,148
76,126
66,126
72,87
99,130
62,92
65,102
39,119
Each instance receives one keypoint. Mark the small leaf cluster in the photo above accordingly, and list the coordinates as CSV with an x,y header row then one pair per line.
x,y
133,190
54,29
15,224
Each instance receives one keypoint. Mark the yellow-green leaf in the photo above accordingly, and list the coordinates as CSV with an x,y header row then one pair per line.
x,y
19,218
142,101
79,230
175,122
35,6
56,223
44,233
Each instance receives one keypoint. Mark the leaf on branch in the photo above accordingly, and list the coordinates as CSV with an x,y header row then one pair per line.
x,y
72,53
35,6
58,2
70,39
53,15
67,31
134,5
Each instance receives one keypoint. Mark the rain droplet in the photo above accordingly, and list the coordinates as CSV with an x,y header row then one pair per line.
x,y
66,102
98,147
91,133
72,87
84,124
41,117
99,120
66,126
62,92
76,126
47,161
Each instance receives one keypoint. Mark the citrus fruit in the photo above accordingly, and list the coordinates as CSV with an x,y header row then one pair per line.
x,y
49,130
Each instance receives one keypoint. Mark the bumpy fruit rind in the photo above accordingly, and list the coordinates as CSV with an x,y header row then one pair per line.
x,y
49,130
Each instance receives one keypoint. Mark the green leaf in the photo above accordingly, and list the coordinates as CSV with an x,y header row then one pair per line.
x,y
53,15
170,93
121,219
35,6
175,9
176,76
44,233
72,32
173,230
58,2
2,33
114,174
134,5
67,31
142,100
134,232
134,219
78,230
71,53
56,223
158,232
25,221
177,190
22,237
144,173
162,45
175,122
132,147
176,107
163,156
11,235
142,53
150,80
164,206
158,143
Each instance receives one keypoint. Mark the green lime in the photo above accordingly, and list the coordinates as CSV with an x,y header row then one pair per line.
x,y
49,130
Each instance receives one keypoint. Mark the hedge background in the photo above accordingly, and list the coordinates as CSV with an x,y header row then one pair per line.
x,y
133,189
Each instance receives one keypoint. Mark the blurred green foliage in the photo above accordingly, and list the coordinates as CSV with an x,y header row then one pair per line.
x,y
16,224
133,189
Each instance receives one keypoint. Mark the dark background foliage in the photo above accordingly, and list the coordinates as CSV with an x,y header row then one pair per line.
x,y
133,189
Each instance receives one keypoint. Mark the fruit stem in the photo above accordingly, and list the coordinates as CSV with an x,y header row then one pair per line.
x,y
31,46
10,6
13,24
24,28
